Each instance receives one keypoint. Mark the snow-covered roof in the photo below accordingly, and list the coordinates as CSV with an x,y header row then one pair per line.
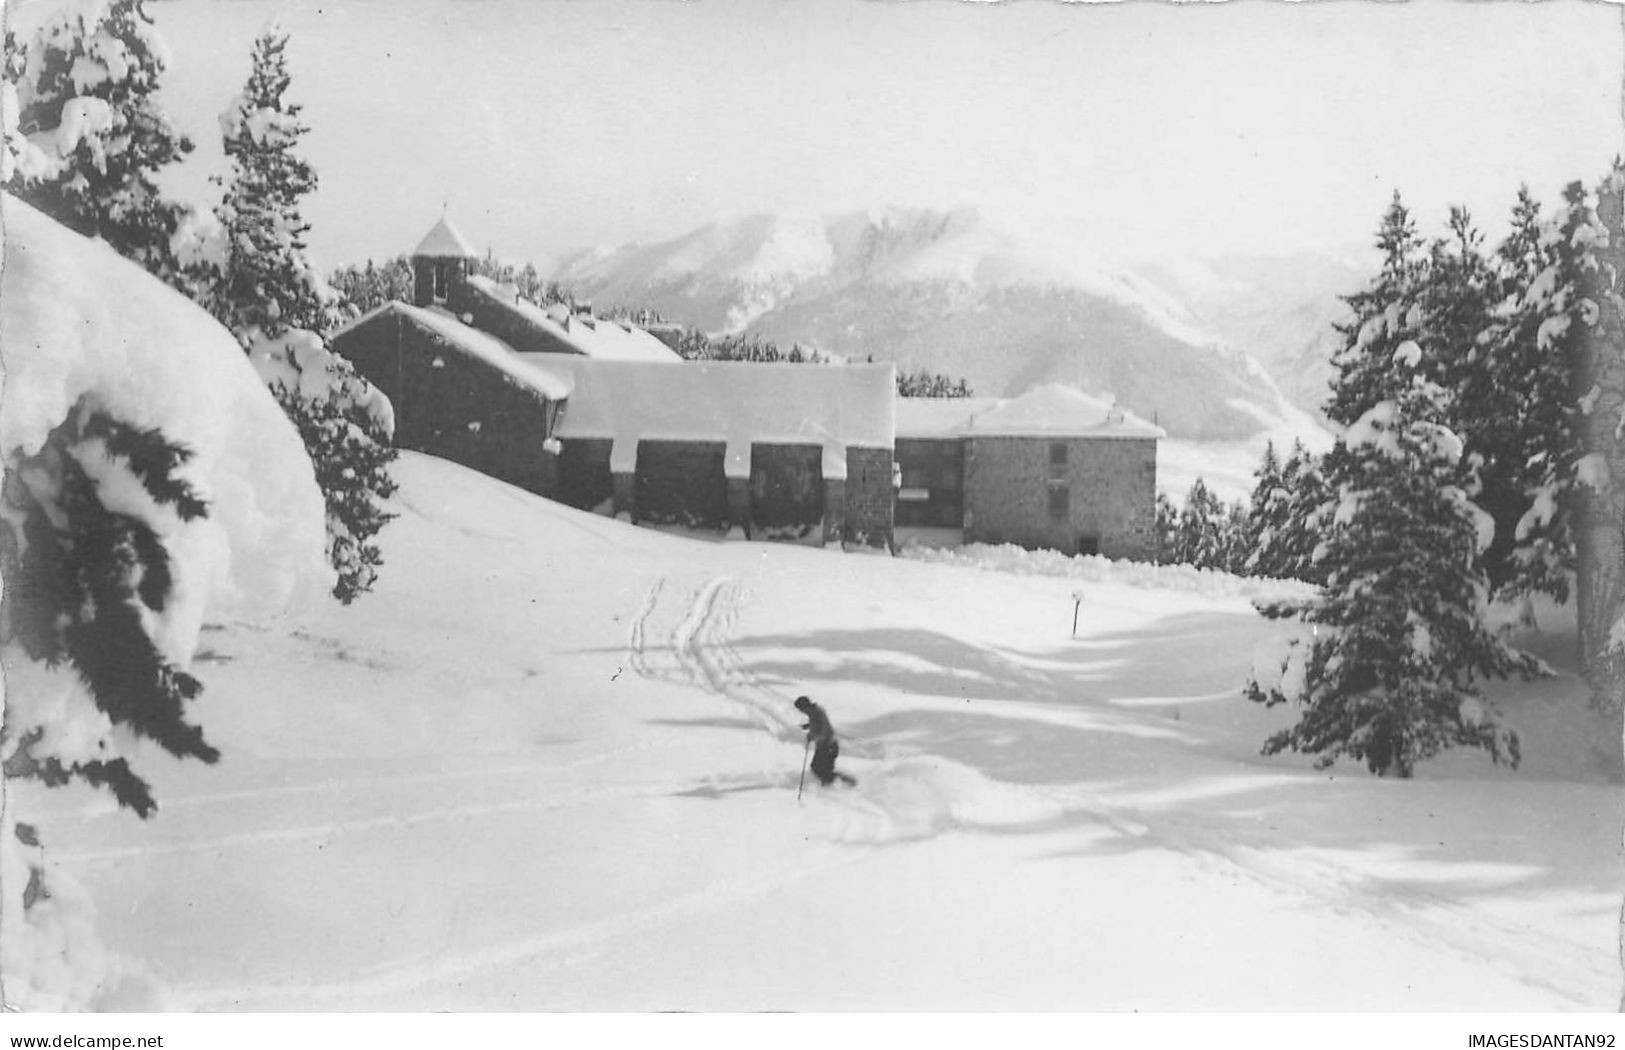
x,y
471,341
595,337
735,402
939,417
1056,410
1053,410
444,242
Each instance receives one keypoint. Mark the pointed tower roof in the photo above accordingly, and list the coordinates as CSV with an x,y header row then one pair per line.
x,y
444,242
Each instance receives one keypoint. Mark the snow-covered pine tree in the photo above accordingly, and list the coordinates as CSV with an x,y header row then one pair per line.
x,y
1508,400
265,287
84,582
1585,300
1236,539
346,424
363,288
1387,673
1287,519
526,280
1520,416
1164,527
85,139
1199,530
269,282
1385,314
1266,512
930,384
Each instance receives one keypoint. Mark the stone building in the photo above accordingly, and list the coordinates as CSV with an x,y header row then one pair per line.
x,y
799,452
1053,468
458,393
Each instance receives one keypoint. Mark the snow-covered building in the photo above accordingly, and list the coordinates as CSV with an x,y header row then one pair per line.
x,y
457,392
601,414
793,451
1054,468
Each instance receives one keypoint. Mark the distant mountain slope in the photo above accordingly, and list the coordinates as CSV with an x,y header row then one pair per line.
x,y
1278,309
948,292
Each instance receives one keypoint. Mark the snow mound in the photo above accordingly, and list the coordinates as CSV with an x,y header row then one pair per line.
x,y
78,322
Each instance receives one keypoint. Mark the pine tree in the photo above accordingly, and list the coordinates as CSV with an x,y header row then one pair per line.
x,y
1386,314
526,281
1236,538
268,291
89,77
930,384
1388,674
267,282
1508,395
84,585
1165,526
364,288
1286,517
1586,325
1517,413
1266,513
1199,531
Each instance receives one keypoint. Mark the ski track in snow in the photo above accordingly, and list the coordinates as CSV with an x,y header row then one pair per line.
x,y
699,645
327,830
409,977
893,801
383,787
635,647
877,812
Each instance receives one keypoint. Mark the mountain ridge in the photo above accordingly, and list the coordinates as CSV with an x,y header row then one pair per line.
x,y
950,291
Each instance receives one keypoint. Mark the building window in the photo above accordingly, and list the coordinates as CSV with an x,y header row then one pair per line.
x,y
1088,544
1060,501
1057,456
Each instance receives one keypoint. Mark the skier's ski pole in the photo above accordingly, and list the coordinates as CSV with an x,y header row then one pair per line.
x,y
806,748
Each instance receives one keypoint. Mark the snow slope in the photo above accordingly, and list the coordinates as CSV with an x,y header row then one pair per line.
x,y
552,764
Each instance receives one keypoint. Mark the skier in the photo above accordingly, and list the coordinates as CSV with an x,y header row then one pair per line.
x,y
825,746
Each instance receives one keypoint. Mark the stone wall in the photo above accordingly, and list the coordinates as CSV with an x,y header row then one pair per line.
x,y
451,405
1068,494
869,496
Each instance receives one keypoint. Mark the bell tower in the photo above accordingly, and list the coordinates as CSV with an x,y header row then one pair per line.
x,y
440,263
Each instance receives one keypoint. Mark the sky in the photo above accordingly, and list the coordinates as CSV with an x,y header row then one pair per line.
x,y
1138,129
